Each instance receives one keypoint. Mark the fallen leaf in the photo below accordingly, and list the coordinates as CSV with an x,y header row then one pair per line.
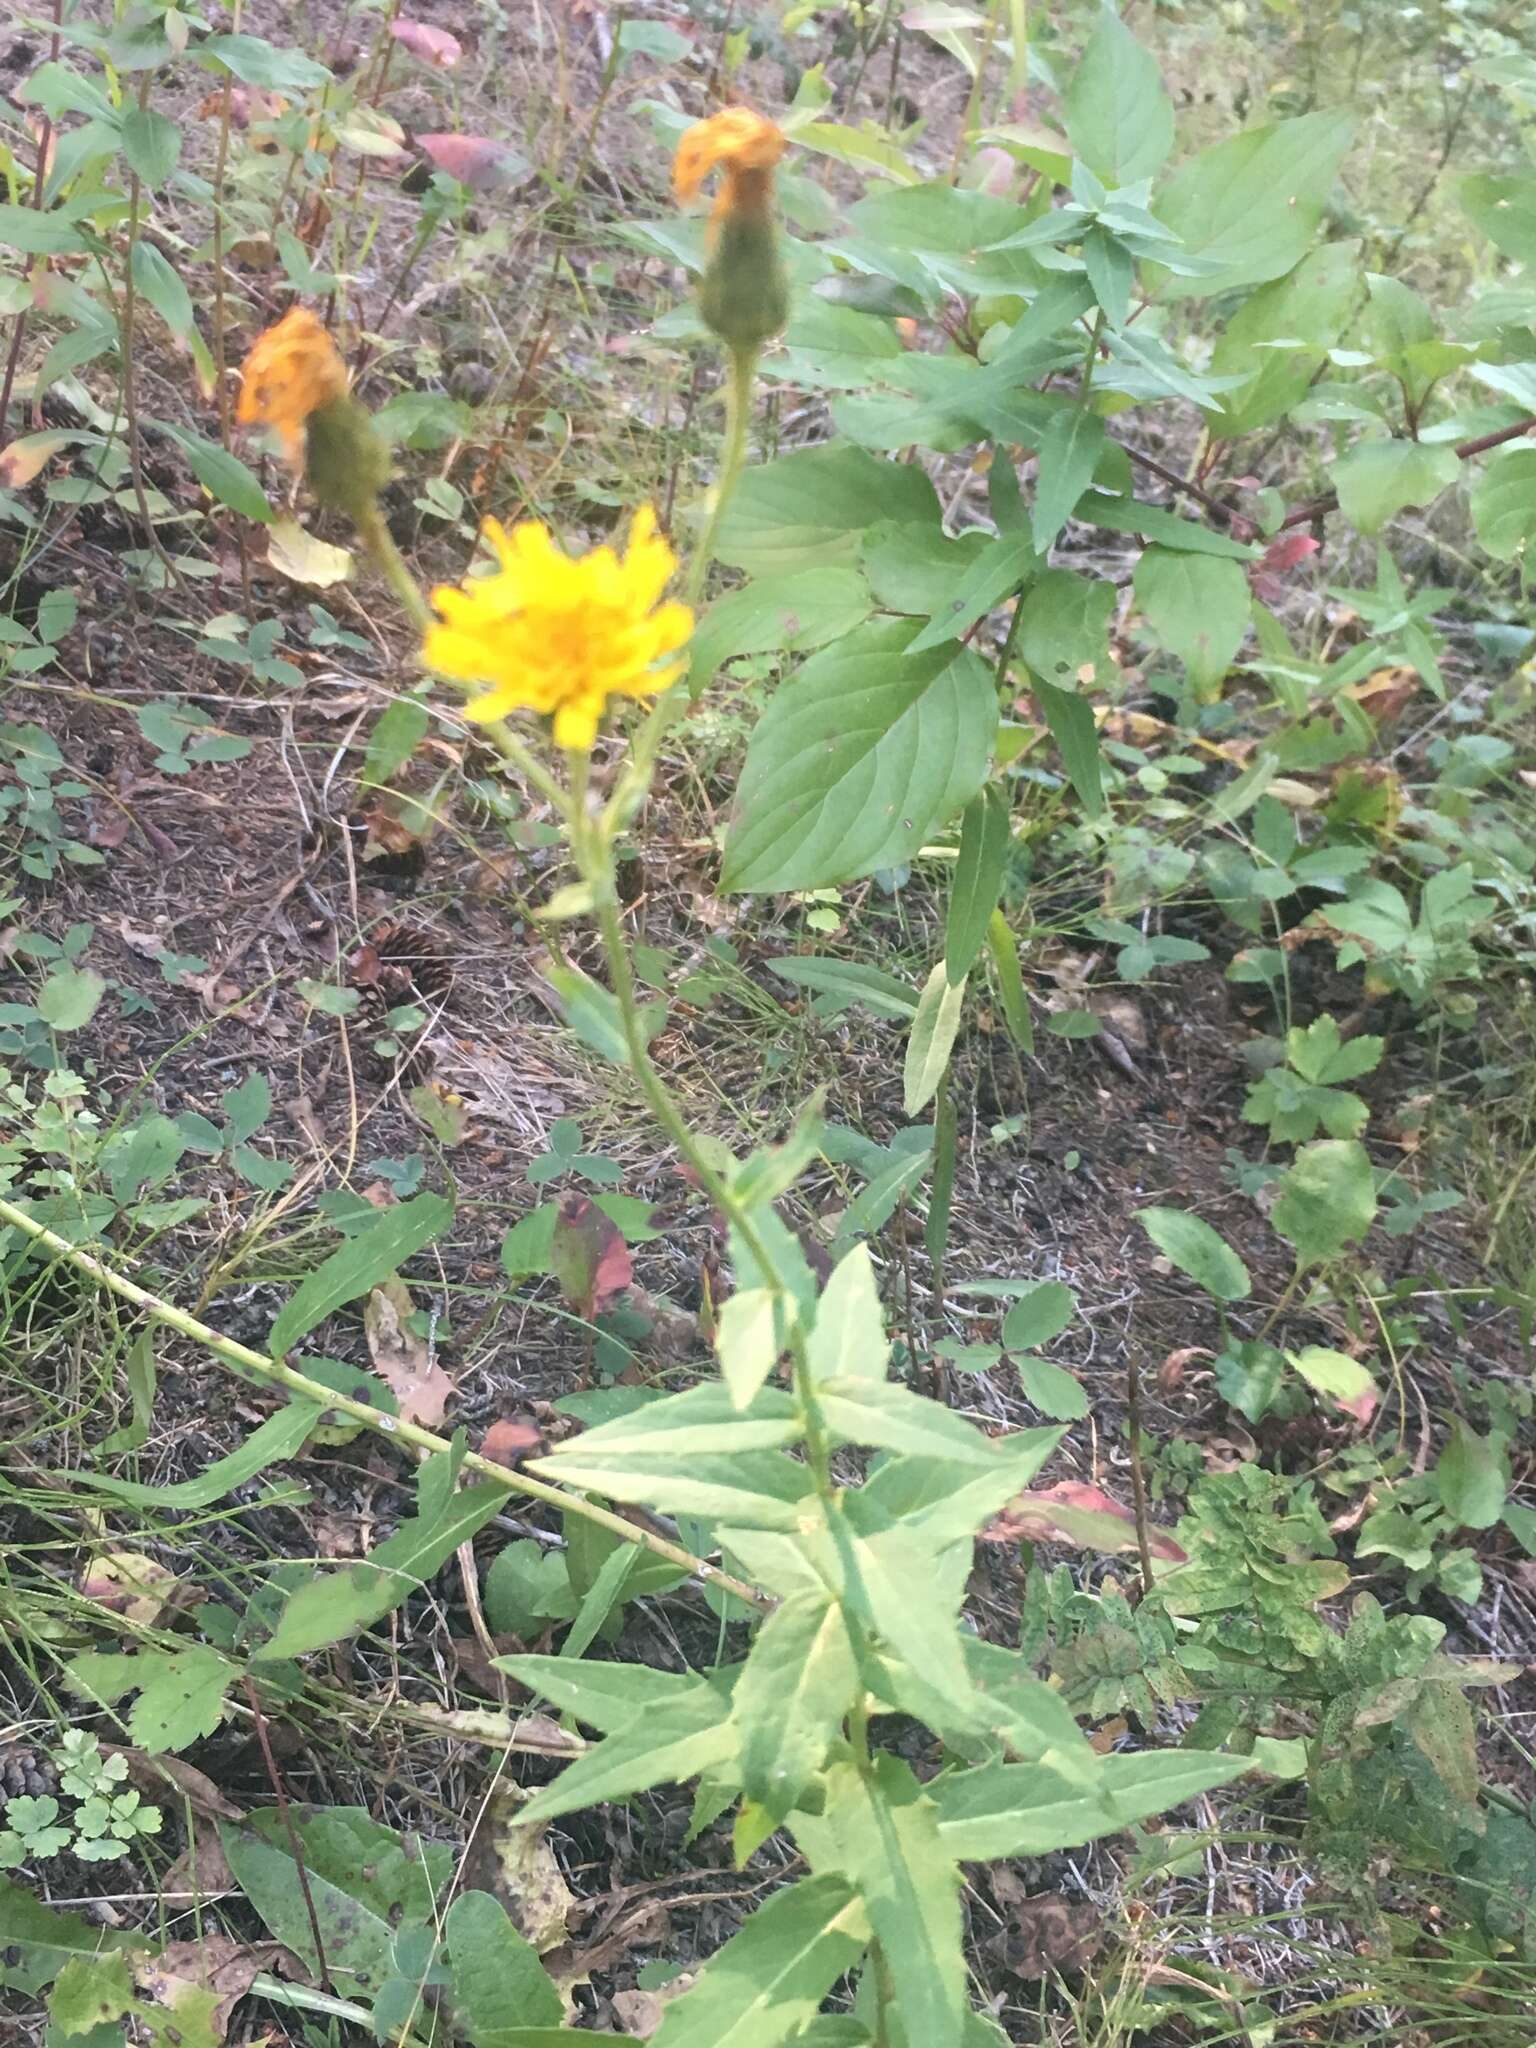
x,y
1082,1515
1050,1933
402,1359
202,1869
1170,1374
302,559
512,1439
640,2013
434,46
588,1256
201,1982
27,458
153,1774
137,1588
476,161
535,1734
1279,558
518,1865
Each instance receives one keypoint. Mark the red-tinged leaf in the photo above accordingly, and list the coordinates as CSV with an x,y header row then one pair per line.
x,y
1276,563
512,1439
434,46
588,1256
476,161
1072,1512
27,458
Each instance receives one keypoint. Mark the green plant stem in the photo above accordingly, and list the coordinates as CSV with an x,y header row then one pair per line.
x,y
240,1356
733,455
594,859
1286,1295
634,779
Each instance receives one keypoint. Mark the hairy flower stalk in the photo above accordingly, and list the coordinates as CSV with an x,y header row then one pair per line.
x,y
743,294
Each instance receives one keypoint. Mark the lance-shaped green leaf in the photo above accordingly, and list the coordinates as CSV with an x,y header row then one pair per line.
x,y
932,1038
1069,453
1198,1250
606,1696
767,1983
789,1702
847,983
1029,1810
361,1263
1119,118
986,835
888,1843
892,1418
341,1602
757,1489
1004,566
277,1438
858,758
848,1340
688,1734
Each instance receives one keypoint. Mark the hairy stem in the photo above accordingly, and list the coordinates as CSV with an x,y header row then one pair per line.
x,y
234,1354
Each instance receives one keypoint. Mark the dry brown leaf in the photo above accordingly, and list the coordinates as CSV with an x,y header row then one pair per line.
x,y
403,1360
640,2013
434,46
1050,1933
202,1869
135,1587
203,1981
534,1734
151,1774
518,1865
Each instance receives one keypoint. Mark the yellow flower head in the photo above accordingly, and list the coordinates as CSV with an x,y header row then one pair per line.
x,y
746,146
292,370
547,633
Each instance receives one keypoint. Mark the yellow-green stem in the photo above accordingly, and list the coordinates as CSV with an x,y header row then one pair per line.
x,y
634,779
593,856
231,1353
733,455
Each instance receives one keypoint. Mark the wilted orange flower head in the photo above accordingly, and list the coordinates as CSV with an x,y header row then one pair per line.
x,y
559,635
292,370
745,145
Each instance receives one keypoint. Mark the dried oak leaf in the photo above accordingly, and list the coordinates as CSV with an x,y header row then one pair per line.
x,y
1050,1933
402,1359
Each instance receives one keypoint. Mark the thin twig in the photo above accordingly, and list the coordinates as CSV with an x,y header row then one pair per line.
x,y
290,1830
1138,1476
1303,515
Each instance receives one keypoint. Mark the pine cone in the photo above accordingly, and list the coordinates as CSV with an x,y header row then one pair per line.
x,y
25,1773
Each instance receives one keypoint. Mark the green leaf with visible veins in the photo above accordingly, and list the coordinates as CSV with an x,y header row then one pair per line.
x,y
789,1702
857,759
182,1697
767,1983
887,1834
